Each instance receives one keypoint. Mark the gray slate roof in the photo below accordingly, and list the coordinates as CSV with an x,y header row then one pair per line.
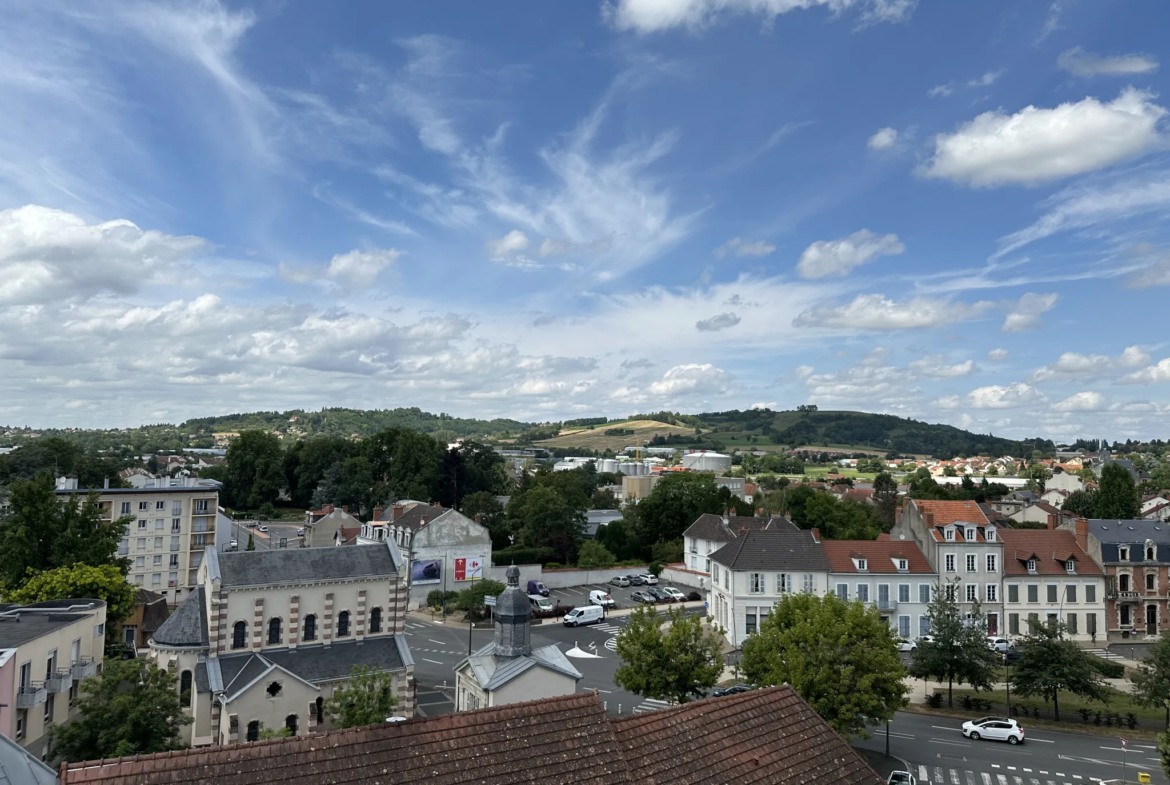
x,y
304,565
187,626
413,518
1134,533
773,549
709,526
493,672
18,767
314,664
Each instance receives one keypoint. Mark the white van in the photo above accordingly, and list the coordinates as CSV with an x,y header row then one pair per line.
x,y
586,614
539,603
598,597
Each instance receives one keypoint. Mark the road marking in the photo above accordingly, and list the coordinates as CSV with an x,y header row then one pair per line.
x,y
1002,779
441,643
947,727
1035,781
1018,780
922,775
951,743
410,633
986,777
1011,768
970,778
436,662
955,778
938,775
1028,770
1042,741
995,765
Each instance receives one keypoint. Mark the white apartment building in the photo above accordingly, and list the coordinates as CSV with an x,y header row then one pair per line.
x,y
894,577
711,532
172,521
46,649
1048,576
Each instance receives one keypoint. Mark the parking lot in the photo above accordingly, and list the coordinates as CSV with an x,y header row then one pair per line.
x,y
579,595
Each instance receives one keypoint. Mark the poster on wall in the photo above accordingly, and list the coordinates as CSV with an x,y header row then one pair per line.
x,y
469,569
429,571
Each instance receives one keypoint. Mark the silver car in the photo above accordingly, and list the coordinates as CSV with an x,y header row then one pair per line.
x,y
649,579
620,581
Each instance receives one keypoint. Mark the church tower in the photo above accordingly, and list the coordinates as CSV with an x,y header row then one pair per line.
x,y
513,611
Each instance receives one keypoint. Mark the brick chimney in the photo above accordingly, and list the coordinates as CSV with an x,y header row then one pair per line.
x,y
816,533
395,512
928,519
1081,532
1051,522
377,512
732,512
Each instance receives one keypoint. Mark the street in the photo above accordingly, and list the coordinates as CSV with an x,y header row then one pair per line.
x,y
939,754
266,540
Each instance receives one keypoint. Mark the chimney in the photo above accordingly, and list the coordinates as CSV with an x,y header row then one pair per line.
x,y
1082,533
395,511
816,533
328,508
1051,522
732,512
377,512
106,484
928,519
479,517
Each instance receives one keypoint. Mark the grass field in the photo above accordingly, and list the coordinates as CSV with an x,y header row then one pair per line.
x,y
1122,703
644,431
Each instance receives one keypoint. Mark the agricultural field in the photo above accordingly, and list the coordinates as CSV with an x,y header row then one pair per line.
x,y
595,439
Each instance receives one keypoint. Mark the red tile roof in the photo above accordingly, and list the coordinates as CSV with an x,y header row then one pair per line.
x,y
879,555
1050,548
949,512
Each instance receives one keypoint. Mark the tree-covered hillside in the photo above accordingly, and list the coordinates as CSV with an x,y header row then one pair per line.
x,y
347,422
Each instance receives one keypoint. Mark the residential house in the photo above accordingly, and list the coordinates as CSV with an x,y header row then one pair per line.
x,y
556,740
962,547
323,528
1064,481
752,572
509,670
19,767
46,649
269,635
1152,502
1048,575
173,520
893,576
1159,513
1037,515
1055,497
149,612
711,532
1015,501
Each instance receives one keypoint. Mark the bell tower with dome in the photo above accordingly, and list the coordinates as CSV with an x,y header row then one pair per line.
x,y
513,612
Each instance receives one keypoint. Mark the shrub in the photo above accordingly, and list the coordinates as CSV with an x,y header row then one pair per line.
x,y
1036,712
435,598
1131,720
553,565
1109,670
1097,718
694,596
1085,713
966,703
518,554
935,700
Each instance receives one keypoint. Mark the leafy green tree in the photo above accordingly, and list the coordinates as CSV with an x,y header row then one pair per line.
x,y
251,546
1151,684
1081,503
283,732
80,581
667,552
44,532
677,664
130,708
885,499
348,483
491,515
1050,663
471,599
674,504
593,556
1117,496
839,656
619,539
306,462
542,517
959,650
470,468
406,464
366,699
839,520
255,469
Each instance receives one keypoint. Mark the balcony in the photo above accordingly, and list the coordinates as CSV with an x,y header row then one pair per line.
x,y
203,525
60,681
83,668
123,549
885,605
1125,596
174,546
31,695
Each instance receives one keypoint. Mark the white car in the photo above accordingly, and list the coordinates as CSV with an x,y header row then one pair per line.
x,y
994,729
926,639
675,593
649,579
901,778
907,645
999,644
264,528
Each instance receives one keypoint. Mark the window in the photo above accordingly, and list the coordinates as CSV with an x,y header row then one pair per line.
x,y
21,717
950,562
1013,592
991,563
1149,553
160,505
1052,593
1149,581
924,625
126,508
172,579
343,624
290,722
727,579
177,507
139,562
1071,620
1033,593
1033,621
1123,582
783,583
158,525
1091,623
756,583
142,524
253,730
1070,566
138,579
159,540
174,560
750,620
843,591
185,688
273,632
949,534
809,584
1070,593
991,593
1013,624
903,592
904,626
141,544
862,565
239,632
49,708
176,525
924,592
158,560
156,579
1090,594
970,562
972,592
310,628
970,535
989,534
903,565
274,689
143,506
174,543
1031,565
863,592
1123,554
375,621
202,507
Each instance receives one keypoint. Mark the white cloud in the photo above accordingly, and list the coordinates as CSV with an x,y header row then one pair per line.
x,y
1081,63
1153,374
1157,271
1052,21
716,323
826,258
884,139
1036,145
652,16
740,247
1003,396
1074,365
988,79
876,312
876,357
1082,402
864,383
696,378
948,402
769,405
940,91
362,268
1025,314
996,355
508,247
934,367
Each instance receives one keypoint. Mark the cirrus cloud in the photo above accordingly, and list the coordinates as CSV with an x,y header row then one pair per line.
x,y
653,16
1078,62
877,312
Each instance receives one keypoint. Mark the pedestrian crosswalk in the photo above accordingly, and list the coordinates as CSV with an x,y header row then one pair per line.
x,y
651,705
613,629
1006,775
1105,654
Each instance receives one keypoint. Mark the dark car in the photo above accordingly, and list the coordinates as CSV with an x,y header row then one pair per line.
x,y
734,689
636,580
1011,655
659,595
643,597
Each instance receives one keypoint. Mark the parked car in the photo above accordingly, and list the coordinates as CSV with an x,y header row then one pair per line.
x,y
675,593
999,644
539,603
901,778
659,595
995,729
907,645
263,528
643,597
250,524
1011,655
536,587
926,639
734,689
636,580
585,614
233,546
649,578
602,598
301,532
621,581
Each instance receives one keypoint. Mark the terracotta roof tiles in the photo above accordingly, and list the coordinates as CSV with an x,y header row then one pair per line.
x,y
879,555
1051,547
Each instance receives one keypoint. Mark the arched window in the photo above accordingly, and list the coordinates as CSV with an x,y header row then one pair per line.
x,y
185,688
1123,582
375,620
239,634
253,730
290,722
1149,553
343,624
273,632
310,628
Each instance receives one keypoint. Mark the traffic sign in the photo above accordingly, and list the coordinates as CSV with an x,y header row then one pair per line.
x,y
489,601
1124,743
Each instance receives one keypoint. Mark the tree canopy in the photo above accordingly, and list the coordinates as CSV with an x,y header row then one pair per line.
x,y
958,650
1151,684
1051,663
366,699
1117,495
80,581
678,663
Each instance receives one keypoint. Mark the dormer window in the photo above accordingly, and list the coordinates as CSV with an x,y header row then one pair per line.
x,y
862,565
1150,553
949,535
1071,566
989,534
1031,565
903,565
1123,553
969,536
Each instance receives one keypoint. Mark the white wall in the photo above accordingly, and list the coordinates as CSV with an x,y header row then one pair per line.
x,y
561,579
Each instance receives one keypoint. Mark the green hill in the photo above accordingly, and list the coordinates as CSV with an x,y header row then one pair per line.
x,y
346,422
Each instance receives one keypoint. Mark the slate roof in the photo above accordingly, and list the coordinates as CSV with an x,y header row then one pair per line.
x,y
879,556
709,526
765,736
18,767
1051,550
413,518
493,672
304,565
774,549
24,623
187,626
316,663
1134,533
154,609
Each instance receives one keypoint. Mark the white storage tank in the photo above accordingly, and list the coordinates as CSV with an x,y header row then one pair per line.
x,y
706,461
607,465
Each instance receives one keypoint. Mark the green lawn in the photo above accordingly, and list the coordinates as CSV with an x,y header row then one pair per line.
x,y
1153,719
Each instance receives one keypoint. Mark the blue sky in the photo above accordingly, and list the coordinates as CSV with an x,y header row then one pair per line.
x,y
950,211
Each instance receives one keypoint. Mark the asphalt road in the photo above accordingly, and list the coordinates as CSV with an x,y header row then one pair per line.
x,y
939,754
266,540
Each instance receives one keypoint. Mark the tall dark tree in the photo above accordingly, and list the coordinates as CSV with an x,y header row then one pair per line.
x,y
674,504
1151,684
885,499
491,514
1081,503
306,463
543,518
255,469
406,465
958,650
1117,495
472,467
1051,663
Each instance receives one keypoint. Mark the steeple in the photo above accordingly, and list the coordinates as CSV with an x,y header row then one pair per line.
x,y
513,611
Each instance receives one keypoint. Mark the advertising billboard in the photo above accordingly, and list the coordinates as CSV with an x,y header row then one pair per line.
x,y
428,571
469,568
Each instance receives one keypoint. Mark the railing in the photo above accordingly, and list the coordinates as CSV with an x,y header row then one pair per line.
x,y
202,527
1125,595
83,668
885,605
32,694
60,681
174,546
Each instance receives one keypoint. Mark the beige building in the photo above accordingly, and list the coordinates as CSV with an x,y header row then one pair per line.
x,y
267,636
46,649
509,670
173,521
